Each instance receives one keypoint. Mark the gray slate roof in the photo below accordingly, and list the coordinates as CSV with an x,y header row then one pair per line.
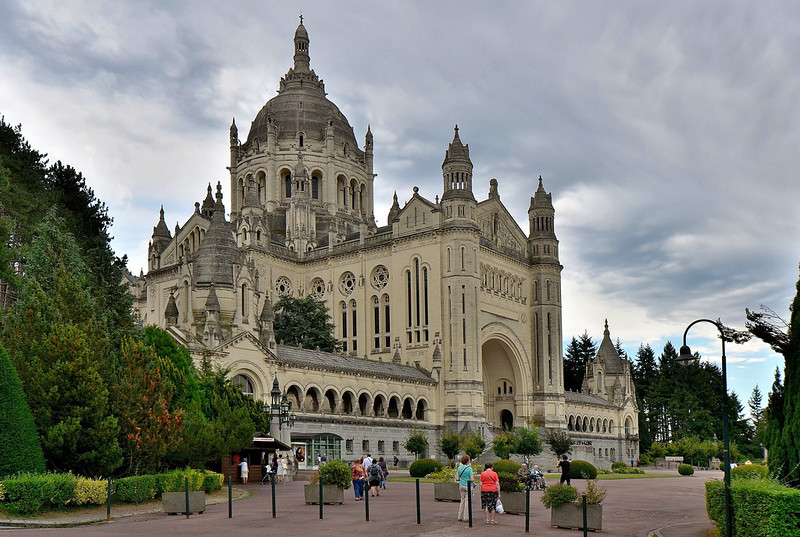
x,y
297,357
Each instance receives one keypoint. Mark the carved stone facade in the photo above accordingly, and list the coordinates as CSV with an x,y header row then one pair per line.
x,y
450,315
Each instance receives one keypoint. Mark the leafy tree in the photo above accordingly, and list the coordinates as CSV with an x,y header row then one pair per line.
x,y
20,450
416,442
576,356
527,442
449,443
503,443
560,442
304,322
474,445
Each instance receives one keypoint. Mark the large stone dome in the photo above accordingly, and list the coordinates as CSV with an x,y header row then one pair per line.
x,y
301,104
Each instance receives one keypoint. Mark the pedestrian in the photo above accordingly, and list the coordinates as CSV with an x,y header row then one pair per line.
x,y
396,461
281,470
564,465
358,479
243,469
367,461
464,477
385,470
490,493
323,459
375,476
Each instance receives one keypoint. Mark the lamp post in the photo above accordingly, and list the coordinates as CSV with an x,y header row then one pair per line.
x,y
686,357
279,409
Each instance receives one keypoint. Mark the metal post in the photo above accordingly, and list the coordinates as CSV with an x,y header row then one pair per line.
x,y
186,481
230,497
418,511
469,501
274,507
366,506
321,501
527,509
585,522
108,501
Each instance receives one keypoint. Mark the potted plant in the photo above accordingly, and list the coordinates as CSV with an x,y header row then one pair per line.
x,y
445,487
513,493
566,506
335,476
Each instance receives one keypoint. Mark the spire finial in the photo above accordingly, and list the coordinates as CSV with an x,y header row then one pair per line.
x,y
301,17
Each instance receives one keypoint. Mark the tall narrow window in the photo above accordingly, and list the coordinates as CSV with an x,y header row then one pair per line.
x,y
418,311
315,187
288,181
244,301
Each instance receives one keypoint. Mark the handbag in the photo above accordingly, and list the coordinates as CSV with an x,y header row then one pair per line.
x,y
499,507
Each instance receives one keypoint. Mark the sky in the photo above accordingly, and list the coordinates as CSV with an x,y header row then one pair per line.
x,y
667,132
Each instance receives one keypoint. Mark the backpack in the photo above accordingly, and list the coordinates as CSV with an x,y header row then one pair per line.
x,y
374,472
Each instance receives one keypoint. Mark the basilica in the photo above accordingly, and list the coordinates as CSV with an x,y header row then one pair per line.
x,y
448,313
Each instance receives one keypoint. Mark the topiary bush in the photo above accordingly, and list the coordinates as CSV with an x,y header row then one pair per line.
x,y
509,482
686,469
506,465
580,469
423,467
212,481
618,466
750,471
558,494
336,472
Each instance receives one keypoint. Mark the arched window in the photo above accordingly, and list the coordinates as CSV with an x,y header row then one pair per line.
x,y
315,187
244,301
417,303
244,384
349,326
287,180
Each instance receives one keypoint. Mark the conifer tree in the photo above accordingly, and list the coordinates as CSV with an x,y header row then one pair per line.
x,y
20,450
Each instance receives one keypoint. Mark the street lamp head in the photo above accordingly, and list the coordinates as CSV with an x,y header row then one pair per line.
x,y
275,393
686,357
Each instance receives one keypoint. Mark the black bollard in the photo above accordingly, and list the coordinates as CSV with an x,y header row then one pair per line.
x,y
108,501
418,511
230,497
469,501
527,510
274,507
186,481
366,506
320,499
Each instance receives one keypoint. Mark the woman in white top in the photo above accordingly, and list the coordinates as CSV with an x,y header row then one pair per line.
x,y
281,469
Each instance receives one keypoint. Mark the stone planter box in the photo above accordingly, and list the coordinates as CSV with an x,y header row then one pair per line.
x,y
330,493
175,502
514,502
446,492
570,515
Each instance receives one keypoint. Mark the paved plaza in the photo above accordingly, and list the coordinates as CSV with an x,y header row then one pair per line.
x,y
668,507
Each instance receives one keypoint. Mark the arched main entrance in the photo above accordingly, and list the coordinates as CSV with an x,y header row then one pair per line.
x,y
502,382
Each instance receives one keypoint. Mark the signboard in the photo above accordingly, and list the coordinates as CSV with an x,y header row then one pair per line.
x,y
673,459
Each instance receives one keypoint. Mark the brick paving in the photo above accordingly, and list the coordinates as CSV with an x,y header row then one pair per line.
x,y
668,507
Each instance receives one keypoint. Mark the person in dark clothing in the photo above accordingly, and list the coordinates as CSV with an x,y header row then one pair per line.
x,y
564,465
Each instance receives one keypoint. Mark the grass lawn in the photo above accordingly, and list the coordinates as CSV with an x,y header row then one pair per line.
x,y
553,478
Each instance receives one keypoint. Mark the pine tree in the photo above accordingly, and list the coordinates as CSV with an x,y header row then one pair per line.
x,y
790,433
775,421
20,450
304,322
645,375
576,356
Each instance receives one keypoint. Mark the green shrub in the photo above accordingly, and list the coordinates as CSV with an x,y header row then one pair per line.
x,y
336,472
579,469
686,469
750,471
558,494
135,489
645,459
29,494
618,466
594,494
89,492
762,507
423,467
2,493
506,465
628,470
509,482
212,481
445,475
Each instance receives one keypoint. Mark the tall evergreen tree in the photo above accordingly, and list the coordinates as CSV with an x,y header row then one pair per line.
x,y
576,356
775,420
645,376
20,450
790,433
304,322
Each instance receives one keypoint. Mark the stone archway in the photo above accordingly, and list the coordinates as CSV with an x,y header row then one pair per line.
x,y
503,384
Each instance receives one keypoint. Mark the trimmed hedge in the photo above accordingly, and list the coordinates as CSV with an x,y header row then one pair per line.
x,y
686,469
580,469
135,489
29,494
506,465
761,508
618,466
750,471
423,467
